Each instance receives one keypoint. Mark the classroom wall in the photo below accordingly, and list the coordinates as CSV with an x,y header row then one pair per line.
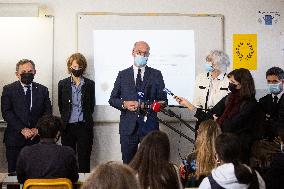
x,y
240,17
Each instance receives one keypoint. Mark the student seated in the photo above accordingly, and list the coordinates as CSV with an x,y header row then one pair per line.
x,y
275,174
47,159
200,163
111,175
151,163
231,173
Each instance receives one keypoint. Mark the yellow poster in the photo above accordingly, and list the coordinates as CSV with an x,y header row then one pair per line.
x,y
245,51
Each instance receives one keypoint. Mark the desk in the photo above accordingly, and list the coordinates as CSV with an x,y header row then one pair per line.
x,y
9,182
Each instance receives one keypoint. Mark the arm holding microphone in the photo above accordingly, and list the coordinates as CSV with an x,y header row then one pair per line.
x,y
184,102
199,113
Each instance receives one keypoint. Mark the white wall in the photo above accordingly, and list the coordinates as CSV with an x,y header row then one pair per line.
x,y
240,17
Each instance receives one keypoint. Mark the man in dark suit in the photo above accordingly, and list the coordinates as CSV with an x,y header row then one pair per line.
x,y
129,84
272,104
76,101
47,159
22,103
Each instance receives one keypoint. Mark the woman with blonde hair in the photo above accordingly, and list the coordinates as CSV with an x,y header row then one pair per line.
x,y
111,175
200,163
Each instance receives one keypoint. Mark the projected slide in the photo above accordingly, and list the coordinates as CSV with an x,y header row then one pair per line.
x,y
172,52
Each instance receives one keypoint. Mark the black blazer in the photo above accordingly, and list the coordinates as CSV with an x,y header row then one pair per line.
x,y
15,111
47,160
242,122
266,103
272,114
65,100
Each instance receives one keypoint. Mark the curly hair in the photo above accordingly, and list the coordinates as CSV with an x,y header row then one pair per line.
x,y
80,59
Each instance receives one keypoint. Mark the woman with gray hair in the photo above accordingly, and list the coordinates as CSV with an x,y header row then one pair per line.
x,y
211,86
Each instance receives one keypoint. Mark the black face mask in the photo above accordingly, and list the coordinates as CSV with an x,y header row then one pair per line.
x,y
77,73
27,78
233,87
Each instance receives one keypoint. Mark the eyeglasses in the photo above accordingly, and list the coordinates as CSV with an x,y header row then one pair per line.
x,y
141,53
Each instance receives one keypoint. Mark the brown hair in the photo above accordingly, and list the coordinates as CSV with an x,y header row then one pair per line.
x,y
111,175
24,61
228,149
80,59
151,162
49,125
205,147
244,77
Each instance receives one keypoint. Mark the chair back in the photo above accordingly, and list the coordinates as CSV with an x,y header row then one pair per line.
x,y
58,183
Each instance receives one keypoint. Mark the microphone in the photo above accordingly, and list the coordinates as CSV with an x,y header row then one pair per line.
x,y
158,106
169,92
140,98
174,96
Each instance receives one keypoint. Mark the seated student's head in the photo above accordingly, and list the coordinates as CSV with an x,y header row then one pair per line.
x,y
49,126
151,162
228,150
111,175
242,83
205,147
275,80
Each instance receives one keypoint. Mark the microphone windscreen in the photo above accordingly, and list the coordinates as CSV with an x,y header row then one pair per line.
x,y
156,106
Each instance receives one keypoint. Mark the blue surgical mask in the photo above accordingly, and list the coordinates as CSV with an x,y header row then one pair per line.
x,y
140,61
208,67
275,88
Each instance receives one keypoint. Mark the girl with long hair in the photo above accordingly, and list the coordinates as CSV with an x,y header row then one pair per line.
x,y
200,163
151,163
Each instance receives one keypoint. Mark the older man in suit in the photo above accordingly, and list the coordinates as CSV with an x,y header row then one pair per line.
x,y
23,102
129,83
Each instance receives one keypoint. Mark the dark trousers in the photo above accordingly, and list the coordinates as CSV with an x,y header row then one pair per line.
x,y
79,137
12,153
129,144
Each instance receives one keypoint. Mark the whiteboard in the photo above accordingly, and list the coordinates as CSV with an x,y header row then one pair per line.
x,y
29,38
171,51
208,35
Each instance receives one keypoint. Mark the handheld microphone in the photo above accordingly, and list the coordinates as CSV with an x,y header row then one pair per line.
x,y
140,98
169,92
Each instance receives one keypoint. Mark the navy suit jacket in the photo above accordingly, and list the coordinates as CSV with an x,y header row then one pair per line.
x,y
16,112
125,90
